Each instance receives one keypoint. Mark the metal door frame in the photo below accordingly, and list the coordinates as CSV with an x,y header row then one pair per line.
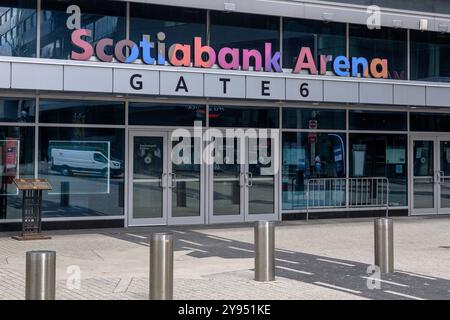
x,y
439,139
244,180
200,219
164,179
436,138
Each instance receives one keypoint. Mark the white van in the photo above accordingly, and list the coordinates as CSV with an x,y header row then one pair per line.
x,y
68,161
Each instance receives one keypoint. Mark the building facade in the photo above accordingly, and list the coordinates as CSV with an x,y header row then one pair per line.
x,y
91,93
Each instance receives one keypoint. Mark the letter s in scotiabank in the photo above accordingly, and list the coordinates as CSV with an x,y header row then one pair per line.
x,y
87,49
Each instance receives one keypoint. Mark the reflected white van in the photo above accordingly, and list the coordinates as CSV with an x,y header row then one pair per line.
x,y
69,161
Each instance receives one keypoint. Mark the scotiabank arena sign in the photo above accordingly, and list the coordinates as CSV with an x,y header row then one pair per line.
x,y
202,56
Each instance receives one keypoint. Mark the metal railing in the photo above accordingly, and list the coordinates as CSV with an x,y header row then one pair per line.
x,y
331,193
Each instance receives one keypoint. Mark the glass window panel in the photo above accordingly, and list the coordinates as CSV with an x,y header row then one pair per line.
x,y
18,36
377,120
384,43
381,155
186,179
104,18
322,38
81,112
309,155
429,56
243,116
81,185
180,25
294,118
430,122
17,159
226,178
148,166
165,114
244,31
17,110
437,6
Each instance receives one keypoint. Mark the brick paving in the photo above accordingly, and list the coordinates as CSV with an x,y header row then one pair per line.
x,y
315,260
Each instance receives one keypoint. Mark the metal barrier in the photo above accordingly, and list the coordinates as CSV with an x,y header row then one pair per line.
x,y
265,251
40,275
330,193
161,266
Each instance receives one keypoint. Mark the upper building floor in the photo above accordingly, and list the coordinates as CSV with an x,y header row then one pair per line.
x,y
31,28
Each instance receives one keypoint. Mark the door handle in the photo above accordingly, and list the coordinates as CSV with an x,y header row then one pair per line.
x,y
173,180
441,177
242,179
249,179
161,182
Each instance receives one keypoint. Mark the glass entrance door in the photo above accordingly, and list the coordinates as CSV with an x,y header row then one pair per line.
x,y
148,183
443,175
165,182
243,183
431,175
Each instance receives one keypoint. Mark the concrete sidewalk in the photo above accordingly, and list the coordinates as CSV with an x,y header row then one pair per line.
x,y
324,259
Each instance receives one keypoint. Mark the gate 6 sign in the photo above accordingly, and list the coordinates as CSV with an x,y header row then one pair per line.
x,y
152,82
304,90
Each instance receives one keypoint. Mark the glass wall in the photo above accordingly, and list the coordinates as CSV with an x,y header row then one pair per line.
x,y
244,31
18,28
17,110
381,155
429,122
308,155
295,118
377,120
322,38
180,25
429,56
85,167
140,113
100,16
437,6
384,43
247,117
81,112
17,160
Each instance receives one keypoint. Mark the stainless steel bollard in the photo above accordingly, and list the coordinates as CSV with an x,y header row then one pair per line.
x,y
264,251
161,266
384,244
40,275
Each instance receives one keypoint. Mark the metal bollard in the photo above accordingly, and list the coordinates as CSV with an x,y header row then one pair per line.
x,y
264,251
40,275
384,244
161,266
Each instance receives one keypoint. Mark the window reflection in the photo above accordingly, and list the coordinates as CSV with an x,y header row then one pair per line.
x,y
17,159
85,167
249,117
384,43
377,120
429,56
381,155
81,112
309,155
180,25
17,110
100,16
244,31
18,28
322,38
296,118
165,114
438,122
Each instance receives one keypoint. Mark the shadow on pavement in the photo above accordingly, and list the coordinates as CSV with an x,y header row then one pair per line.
x,y
333,273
